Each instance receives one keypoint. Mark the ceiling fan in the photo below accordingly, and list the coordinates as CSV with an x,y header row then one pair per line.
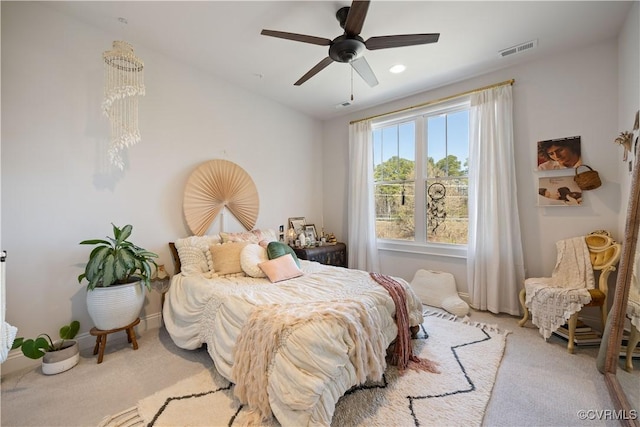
x,y
348,47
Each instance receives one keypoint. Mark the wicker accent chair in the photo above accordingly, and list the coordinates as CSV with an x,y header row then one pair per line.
x,y
604,253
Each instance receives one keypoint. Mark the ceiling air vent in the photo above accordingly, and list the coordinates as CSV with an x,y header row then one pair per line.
x,y
519,48
344,104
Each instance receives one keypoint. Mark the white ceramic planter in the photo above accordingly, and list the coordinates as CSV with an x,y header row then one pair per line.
x,y
115,306
55,362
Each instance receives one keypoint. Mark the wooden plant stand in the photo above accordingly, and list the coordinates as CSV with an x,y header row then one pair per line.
x,y
101,337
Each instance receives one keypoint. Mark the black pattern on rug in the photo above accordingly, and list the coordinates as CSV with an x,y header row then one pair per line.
x,y
471,387
423,336
171,399
468,355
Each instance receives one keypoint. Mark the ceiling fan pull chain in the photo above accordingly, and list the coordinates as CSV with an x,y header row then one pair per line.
x,y
352,83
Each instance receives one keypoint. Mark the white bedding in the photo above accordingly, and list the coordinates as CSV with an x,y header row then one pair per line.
x,y
312,368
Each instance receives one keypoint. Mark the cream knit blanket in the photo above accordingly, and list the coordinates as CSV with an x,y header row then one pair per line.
x,y
552,300
270,325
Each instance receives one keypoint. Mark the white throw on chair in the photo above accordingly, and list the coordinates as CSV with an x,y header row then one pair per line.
x,y
556,299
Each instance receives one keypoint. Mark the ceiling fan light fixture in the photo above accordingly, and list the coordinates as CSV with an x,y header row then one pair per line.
x,y
346,49
398,68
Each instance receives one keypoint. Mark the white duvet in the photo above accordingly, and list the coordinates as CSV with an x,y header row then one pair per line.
x,y
312,368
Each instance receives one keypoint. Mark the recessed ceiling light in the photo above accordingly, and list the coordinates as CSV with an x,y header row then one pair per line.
x,y
397,68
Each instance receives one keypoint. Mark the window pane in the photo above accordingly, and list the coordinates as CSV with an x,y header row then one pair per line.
x,y
377,147
437,145
458,140
394,174
394,170
448,144
406,141
447,210
447,182
389,151
395,205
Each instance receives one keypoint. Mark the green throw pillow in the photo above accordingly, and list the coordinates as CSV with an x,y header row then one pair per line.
x,y
277,249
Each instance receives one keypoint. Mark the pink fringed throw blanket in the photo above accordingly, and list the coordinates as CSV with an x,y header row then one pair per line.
x,y
402,356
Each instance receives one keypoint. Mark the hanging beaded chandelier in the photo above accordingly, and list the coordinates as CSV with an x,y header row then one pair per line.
x,y
123,84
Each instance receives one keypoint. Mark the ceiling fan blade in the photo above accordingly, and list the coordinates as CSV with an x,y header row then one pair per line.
x,y
355,18
385,42
362,67
315,70
297,37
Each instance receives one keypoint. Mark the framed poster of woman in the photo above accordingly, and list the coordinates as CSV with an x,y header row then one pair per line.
x,y
562,153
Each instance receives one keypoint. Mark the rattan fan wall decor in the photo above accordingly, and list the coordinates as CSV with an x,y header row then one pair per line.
x,y
217,184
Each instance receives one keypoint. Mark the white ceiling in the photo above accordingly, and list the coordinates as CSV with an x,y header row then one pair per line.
x,y
223,38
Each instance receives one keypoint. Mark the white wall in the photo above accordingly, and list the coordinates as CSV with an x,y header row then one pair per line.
x,y
574,93
57,188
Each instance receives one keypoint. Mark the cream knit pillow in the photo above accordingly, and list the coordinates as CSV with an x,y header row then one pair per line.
x,y
252,255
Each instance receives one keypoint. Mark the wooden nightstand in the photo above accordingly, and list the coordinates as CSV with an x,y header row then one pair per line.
x,y
327,254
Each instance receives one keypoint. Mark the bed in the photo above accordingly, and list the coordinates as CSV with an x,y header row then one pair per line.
x,y
291,346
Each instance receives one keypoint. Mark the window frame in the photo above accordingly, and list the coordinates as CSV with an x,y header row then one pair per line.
x,y
419,116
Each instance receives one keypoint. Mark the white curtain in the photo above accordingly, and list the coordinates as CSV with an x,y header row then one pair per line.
x,y
7,332
495,266
363,251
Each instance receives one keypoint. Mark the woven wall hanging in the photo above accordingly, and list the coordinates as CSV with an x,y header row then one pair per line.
x,y
217,184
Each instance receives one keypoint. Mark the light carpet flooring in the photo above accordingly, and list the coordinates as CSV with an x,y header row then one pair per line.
x,y
538,382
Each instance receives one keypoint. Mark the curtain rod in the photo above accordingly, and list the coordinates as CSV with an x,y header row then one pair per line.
x,y
435,101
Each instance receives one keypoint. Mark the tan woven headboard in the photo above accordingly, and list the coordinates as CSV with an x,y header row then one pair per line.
x,y
176,259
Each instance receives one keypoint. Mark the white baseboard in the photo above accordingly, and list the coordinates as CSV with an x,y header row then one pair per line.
x,y
16,361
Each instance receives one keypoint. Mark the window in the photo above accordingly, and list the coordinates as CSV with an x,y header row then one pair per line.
x,y
394,175
425,201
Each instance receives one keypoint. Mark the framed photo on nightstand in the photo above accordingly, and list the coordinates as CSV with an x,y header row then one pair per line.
x,y
310,232
297,223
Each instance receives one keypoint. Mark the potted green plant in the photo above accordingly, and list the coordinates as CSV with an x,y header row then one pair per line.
x,y
57,356
117,273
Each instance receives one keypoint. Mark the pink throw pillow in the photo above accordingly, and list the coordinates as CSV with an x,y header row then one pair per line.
x,y
281,268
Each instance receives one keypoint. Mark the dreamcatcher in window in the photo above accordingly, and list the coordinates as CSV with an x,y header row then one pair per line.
x,y
436,213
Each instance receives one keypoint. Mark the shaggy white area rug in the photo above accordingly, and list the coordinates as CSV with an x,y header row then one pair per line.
x,y
468,356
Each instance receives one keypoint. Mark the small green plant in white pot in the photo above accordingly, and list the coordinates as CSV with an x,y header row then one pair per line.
x,y
117,273
57,356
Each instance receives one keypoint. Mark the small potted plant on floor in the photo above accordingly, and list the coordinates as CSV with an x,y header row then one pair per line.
x,y
118,273
57,356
